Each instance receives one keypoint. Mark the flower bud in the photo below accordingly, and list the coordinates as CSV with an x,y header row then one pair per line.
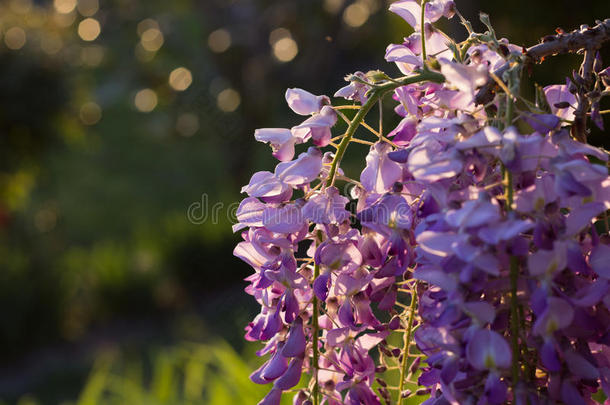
x,y
562,104
381,382
405,393
394,323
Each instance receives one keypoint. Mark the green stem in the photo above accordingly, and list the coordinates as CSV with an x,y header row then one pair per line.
x,y
514,263
510,110
509,191
376,94
527,370
407,342
464,49
316,332
514,317
514,303
422,28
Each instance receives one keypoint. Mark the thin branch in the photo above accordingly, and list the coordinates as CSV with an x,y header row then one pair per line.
x,y
378,134
583,38
407,341
346,107
587,65
371,129
315,338
380,117
588,38
501,84
579,129
379,92
362,141
344,117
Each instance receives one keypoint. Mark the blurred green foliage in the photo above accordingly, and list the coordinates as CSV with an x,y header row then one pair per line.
x,y
188,374
185,374
95,238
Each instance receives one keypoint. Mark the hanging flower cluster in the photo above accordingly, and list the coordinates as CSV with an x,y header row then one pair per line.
x,y
473,263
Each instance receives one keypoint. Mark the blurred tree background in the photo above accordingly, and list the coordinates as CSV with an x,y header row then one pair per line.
x,y
125,135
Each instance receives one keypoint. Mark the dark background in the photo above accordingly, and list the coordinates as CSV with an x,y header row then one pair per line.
x,y
97,252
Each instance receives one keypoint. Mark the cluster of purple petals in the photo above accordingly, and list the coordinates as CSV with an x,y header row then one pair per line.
x,y
466,239
351,266
432,206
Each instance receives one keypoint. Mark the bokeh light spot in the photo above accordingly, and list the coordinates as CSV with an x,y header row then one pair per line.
x,y
90,113
64,20
285,50
228,100
284,47
180,79
356,14
64,6
87,8
152,39
89,29
145,100
277,34
15,38
219,40
187,124
147,24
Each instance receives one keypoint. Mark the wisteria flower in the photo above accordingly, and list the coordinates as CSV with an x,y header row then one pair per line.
x,y
304,103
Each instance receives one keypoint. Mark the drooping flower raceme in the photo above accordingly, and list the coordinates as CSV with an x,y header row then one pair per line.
x,y
468,263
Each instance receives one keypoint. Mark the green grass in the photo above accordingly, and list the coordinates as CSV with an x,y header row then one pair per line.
x,y
187,374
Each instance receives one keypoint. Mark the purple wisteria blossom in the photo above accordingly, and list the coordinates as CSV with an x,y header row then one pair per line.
x,y
326,207
281,141
317,127
469,262
304,103
561,101
381,172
